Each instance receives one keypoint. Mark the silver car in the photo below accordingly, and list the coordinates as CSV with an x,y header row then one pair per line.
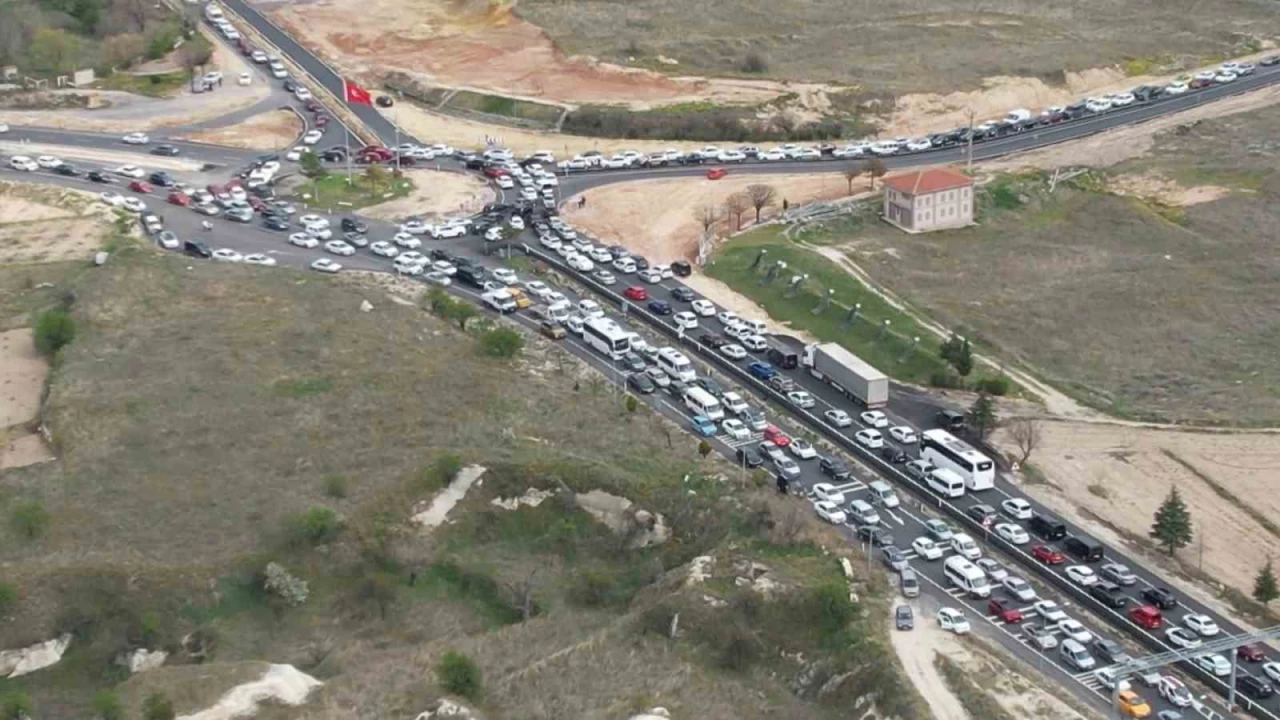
x,y
894,558
787,467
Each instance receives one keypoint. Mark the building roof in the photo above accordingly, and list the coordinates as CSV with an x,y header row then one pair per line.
x,y
928,181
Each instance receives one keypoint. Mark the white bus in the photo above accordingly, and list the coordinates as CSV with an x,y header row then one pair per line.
x,y
966,576
606,337
945,450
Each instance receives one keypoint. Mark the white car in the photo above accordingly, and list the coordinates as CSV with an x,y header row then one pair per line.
x,y
412,257
828,492
1206,75
444,266
1214,663
313,219
245,79
801,398
802,449
903,434
624,265
1172,689
754,343
581,263
227,255
338,247
953,620
830,512
1121,99
1013,532
538,289
555,297
733,351
48,162
734,403
405,240
1017,508
506,276
1019,589
993,569
926,548
326,265
1074,630
382,248
651,276
278,71
1272,669
1202,624
303,240
1082,575
1182,637
112,199
869,438
965,546
438,278
1176,88
133,204
1051,611
919,144
703,308
168,240
311,138
24,163
874,418
505,182
414,227
136,139
516,222
550,242
685,319
1225,77
728,318
302,93
130,171
319,232
839,418
449,230
735,429
259,259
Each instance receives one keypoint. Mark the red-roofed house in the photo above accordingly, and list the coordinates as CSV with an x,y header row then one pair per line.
x,y
933,199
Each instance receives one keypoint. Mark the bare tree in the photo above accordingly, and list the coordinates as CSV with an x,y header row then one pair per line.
x,y
708,215
735,205
136,11
522,595
876,169
1026,434
852,171
761,197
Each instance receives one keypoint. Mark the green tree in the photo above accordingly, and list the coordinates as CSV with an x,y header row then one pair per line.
x,y
963,361
875,169
376,175
29,518
311,165
704,448
318,524
438,301
107,705
632,403
982,415
54,51
949,347
461,313
1172,528
157,706
15,705
335,485
1265,588
55,329
852,171
501,342
458,674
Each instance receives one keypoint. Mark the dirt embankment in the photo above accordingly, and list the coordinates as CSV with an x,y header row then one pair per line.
x,y
274,130
435,194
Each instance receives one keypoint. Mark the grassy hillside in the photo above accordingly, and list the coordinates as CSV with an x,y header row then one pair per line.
x,y
211,419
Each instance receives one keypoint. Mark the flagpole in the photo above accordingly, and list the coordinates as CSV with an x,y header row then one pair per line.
x,y
346,133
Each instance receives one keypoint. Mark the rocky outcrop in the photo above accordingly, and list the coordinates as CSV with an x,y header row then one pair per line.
x,y
16,663
658,713
142,660
445,708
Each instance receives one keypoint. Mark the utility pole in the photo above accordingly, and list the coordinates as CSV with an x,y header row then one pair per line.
x,y
969,164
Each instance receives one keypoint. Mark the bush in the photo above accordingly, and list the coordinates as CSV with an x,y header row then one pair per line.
x,y
704,448
107,705
335,486
8,597
161,40
501,343
755,63
15,705
439,473
277,581
29,518
55,329
458,674
998,386
319,524
946,379
723,124
157,706
594,588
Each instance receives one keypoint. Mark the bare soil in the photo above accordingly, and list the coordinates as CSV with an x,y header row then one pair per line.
x,y
274,130
22,374
43,224
435,193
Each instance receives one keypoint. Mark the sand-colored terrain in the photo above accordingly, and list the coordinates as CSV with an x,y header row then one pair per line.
x,y
1131,469
274,130
657,218
435,193
47,223
22,373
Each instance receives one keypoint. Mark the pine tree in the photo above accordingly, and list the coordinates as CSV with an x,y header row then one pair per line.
x,y
1172,527
963,361
1265,588
982,416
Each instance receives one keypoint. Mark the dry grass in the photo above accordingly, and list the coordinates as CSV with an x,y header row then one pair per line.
x,y
899,46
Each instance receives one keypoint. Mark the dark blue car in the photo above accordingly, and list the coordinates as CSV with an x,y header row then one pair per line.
x,y
762,370
660,307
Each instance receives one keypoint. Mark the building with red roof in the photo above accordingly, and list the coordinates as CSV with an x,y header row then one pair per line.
x,y
933,199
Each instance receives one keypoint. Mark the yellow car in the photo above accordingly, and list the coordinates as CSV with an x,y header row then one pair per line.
x,y
522,300
1133,705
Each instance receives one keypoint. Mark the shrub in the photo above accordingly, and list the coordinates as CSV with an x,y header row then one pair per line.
x,y
29,518
704,448
998,386
8,597
440,472
632,403
161,40
157,706
755,63
15,705
55,329
107,705
458,674
501,343
277,581
335,486
318,524
947,379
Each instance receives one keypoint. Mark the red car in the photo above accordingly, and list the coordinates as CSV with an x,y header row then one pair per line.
x,y
179,198
314,106
776,436
494,172
320,120
139,187
256,203
1148,616
1047,555
635,292
1252,653
215,190
1003,610
376,151
716,173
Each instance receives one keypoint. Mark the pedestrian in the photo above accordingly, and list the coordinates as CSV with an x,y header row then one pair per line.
x,y
785,205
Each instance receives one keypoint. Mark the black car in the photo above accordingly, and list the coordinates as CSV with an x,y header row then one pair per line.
x,y
711,386
1254,687
196,248
166,150
65,169
683,294
1162,598
617,251
833,468
290,85
895,455
749,457
903,619
949,420
1110,651
161,179
660,307
333,155
385,101
1108,594
99,177
641,262
263,191
632,362
641,383
1145,93
877,536
680,268
442,254
272,222
981,512
714,340
350,225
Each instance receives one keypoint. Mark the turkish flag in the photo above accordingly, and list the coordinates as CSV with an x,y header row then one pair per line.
x,y
355,95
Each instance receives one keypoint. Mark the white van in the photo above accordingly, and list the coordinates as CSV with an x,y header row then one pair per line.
x,y
965,547
213,13
702,403
966,576
883,494
946,483
675,364
757,326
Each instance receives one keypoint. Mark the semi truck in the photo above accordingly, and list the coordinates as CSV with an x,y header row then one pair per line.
x,y
847,373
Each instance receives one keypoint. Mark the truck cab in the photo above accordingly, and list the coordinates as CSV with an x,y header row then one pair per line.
x,y
499,300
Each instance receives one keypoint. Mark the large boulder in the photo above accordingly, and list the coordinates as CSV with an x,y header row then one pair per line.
x,y
16,663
